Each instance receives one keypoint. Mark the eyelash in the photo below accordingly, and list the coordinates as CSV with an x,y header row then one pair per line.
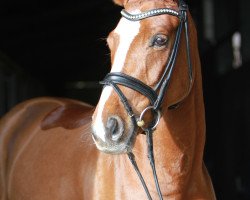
x,y
153,42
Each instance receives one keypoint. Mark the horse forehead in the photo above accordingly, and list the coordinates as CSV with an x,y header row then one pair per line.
x,y
124,24
127,31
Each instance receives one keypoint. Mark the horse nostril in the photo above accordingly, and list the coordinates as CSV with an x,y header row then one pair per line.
x,y
114,127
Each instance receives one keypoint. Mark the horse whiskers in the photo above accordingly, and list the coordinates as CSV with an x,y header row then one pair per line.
x,y
110,162
138,153
123,162
103,38
86,138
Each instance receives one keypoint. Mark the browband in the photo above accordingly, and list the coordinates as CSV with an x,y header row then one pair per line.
x,y
150,13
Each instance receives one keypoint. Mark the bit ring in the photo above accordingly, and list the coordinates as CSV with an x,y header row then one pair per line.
x,y
141,123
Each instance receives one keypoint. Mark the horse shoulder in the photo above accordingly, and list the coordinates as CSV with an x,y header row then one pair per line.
x,y
45,112
39,115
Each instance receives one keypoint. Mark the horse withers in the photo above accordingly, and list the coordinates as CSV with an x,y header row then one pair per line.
x,y
151,107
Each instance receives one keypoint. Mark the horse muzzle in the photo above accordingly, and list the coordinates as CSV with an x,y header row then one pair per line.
x,y
113,137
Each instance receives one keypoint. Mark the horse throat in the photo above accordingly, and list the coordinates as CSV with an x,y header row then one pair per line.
x,y
178,148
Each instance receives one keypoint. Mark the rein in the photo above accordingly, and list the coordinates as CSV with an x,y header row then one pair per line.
x,y
156,94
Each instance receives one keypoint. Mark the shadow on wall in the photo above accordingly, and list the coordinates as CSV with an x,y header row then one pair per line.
x,y
227,152
15,85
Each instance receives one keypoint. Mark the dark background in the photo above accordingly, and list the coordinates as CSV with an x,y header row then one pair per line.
x,y
58,48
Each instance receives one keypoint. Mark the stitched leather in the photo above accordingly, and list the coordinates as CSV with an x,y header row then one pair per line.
x,y
150,13
131,82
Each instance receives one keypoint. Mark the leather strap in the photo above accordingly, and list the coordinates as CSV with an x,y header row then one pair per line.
x,y
130,82
150,13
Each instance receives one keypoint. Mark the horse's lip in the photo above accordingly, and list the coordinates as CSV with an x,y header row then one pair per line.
x,y
111,149
115,147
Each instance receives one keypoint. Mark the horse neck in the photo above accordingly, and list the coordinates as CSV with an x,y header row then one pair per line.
x,y
178,147
179,141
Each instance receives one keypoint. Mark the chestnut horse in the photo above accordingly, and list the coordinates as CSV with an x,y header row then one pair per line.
x,y
55,148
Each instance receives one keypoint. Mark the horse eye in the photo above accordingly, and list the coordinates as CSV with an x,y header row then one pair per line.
x,y
159,40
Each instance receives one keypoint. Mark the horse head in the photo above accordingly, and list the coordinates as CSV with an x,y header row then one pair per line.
x,y
152,71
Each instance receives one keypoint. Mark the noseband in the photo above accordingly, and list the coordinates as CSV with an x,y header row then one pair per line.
x,y
156,94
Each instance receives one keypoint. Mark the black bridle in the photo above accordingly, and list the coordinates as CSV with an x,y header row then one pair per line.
x,y
156,94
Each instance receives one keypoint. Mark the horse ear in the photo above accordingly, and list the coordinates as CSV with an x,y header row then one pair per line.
x,y
120,2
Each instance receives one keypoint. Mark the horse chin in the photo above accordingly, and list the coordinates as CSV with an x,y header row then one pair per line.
x,y
122,146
